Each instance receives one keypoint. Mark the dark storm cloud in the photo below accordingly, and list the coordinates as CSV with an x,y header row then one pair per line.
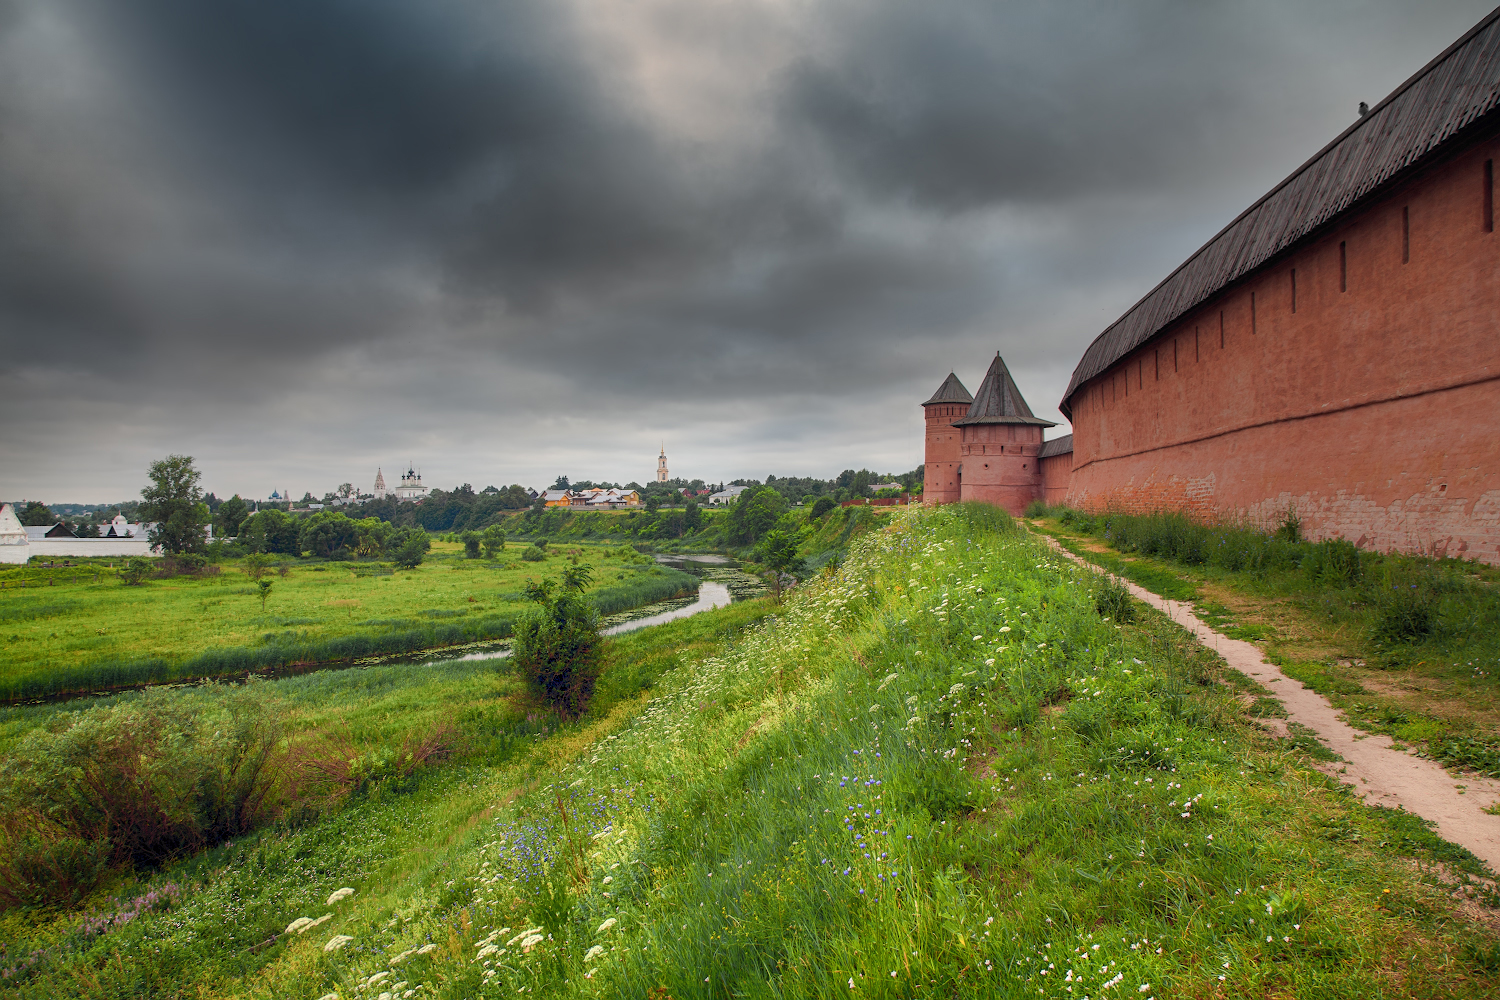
x,y
371,227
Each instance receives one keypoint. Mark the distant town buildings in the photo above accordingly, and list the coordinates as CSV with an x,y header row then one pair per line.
x,y
727,496
19,543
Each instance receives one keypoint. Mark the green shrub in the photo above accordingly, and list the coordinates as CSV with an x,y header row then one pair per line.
x,y
1037,508
1333,562
821,506
131,784
557,648
533,553
1404,612
409,547
471,540
134,571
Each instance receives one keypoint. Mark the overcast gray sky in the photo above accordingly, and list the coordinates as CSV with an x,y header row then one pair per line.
x,y
300,239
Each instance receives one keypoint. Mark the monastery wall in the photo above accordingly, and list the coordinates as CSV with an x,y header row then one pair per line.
x,y
1357,379
1057,473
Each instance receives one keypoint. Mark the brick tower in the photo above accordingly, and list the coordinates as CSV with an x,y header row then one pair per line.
x,y
999,442
940,474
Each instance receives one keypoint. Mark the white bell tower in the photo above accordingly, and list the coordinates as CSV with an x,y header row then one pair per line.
x,y
661,465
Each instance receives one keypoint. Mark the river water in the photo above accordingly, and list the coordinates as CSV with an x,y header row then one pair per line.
x,y
710,595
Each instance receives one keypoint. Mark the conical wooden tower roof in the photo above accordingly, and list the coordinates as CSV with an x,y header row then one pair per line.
x,y
951,391
999,401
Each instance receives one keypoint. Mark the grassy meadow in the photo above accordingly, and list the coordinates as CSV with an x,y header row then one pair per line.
x,y
80,629
939,770
1405,645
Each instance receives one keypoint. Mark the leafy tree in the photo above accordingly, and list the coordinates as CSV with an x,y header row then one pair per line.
x,y
230,516
822,506
692,516
778,553
328,534
494,541
37,514
174,501
370,537
408,547
653,501
557,650
264,590
577,578
345,491
561,483
754,513
471,540
272,531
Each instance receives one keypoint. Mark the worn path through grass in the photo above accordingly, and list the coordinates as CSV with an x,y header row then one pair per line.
x,y
1375,766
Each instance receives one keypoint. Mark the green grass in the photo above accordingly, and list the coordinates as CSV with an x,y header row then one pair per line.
x,y
74,636
1407,646
938,772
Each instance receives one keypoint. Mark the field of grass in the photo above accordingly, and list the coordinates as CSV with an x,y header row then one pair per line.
x,y
81,629
936,772
1405,646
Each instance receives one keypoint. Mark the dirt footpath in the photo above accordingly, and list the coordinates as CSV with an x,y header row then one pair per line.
x,y
1381,774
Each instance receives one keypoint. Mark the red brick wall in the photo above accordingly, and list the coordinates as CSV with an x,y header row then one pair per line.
x,y
940,475
1372,402
1000,464
1057,472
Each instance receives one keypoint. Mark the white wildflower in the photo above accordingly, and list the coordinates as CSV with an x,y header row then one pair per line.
x,y
886,683
298,926
408,953
593,953
607,925
378,978
874,709
339,895
427,949
487,951
522,936
958,688
531,942
336,942
608,879
1005,628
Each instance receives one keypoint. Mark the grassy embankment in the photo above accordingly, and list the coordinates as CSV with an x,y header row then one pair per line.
x,y
80,629
1405,646
939,770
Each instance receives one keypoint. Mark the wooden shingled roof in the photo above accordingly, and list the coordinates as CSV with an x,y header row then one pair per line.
x,y
1450,99
999,401
951,391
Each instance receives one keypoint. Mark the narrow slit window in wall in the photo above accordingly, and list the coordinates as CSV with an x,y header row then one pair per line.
x,y
1405,234
1343,267
1294,289
1489,196
1221,329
